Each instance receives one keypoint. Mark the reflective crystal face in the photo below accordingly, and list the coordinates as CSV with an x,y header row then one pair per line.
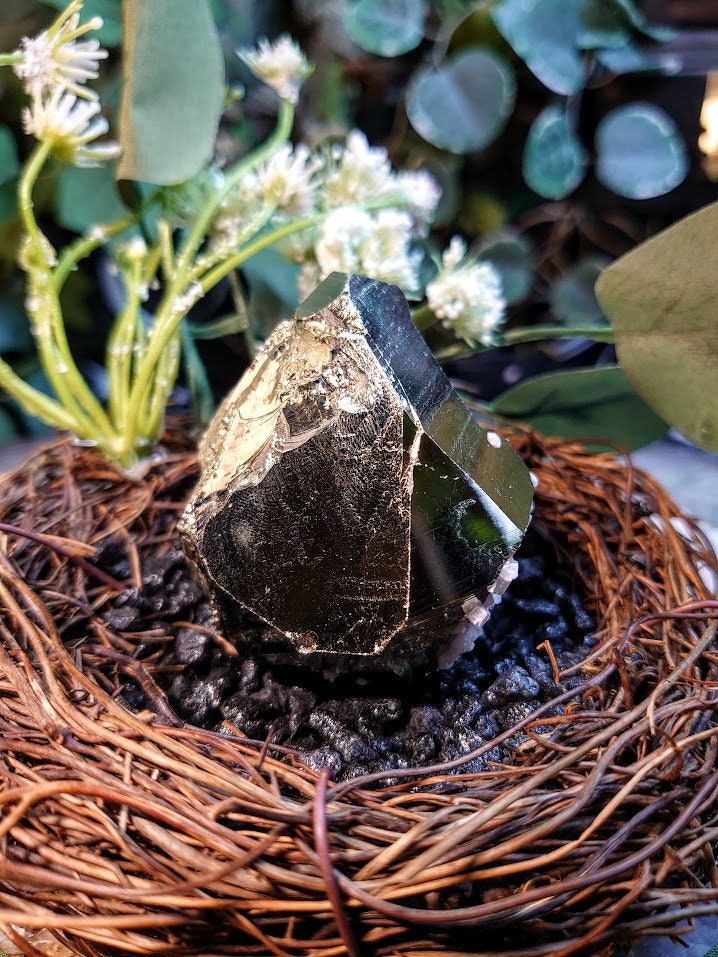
x,y
346,493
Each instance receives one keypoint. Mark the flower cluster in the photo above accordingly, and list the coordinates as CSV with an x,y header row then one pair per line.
x,y
365,217
55,67
467,296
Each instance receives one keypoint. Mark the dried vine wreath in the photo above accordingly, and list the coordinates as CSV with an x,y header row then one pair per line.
x,y
121,834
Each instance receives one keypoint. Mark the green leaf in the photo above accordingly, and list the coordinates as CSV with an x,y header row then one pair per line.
x,y
573,298
173,90
387,27
544,33
9,164
555,160
20,18
661,299
641,153
637,19
110,33
8,201
465,103
512,255
197,378
628,59
87,197
15,333
603,25
586,404
8,429
217,328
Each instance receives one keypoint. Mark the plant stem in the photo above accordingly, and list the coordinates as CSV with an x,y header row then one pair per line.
x,y
47,323
538,333
11,59
199,229
121,343
222,269
512,337
82,247
29,177
35,402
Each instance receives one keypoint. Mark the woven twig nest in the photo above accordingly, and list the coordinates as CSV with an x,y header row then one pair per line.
x,y
121,834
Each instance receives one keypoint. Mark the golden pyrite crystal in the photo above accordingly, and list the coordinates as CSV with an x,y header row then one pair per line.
x,y
347,496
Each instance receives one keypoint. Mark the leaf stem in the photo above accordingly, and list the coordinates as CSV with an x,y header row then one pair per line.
x,y
11,59
84,246
35,402
47,323
513,337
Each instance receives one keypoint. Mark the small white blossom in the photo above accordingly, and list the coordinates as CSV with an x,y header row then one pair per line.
x,y
358,173
134,249
69,125
281,65
467,296
422,193
57,58
376,245
288,179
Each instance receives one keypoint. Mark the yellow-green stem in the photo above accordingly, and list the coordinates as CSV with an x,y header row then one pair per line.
x,y
512,337
49,332
35,402
83,247
121,344
199,229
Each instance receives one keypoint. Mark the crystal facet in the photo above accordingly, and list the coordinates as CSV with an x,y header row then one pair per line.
x,y
347,496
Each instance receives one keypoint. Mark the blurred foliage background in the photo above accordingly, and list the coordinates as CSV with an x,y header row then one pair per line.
x,y
551,125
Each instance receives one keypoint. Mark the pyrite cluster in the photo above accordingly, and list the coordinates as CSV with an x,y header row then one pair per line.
x,y
347,496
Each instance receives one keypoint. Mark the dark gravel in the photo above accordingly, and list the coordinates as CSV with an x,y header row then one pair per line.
x,y
363,722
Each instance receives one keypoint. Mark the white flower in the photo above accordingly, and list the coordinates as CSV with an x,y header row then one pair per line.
x,y
467,296
69,125
57,58
376,245
288,179
358,173
281,65
421,193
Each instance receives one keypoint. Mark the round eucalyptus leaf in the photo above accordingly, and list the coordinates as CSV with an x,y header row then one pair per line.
x,y
555,160
604,25
15,333
584,404
387,27
630,59
9,164
660,299
465,103
87,197
544,33
573,299
641,153
512,256
173,90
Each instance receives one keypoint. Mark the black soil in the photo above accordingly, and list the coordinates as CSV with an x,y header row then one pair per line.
x,y
363,722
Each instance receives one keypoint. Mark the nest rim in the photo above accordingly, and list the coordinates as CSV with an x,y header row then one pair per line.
x,y
600,830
